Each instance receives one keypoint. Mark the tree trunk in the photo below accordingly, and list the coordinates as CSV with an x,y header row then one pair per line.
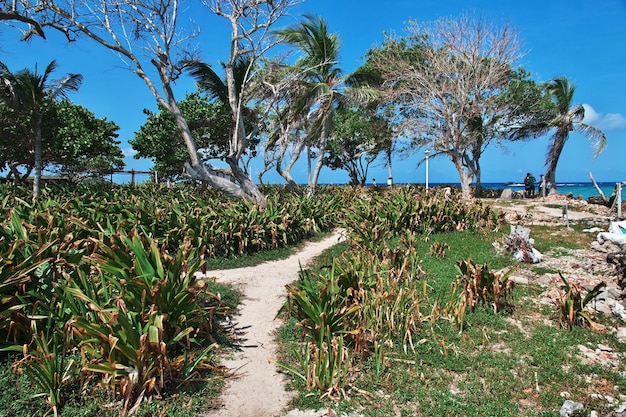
x,y
316,172
464,177
245,182
595,184
320,161
38,158
246,188
478,192
390,172
554,155
286,173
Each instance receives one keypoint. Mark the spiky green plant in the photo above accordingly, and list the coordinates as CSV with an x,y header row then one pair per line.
x,y
572,301
478,285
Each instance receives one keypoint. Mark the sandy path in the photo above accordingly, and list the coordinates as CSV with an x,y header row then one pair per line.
x,y
257,389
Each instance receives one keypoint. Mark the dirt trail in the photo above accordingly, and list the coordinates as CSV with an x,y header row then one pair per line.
x,y
257,389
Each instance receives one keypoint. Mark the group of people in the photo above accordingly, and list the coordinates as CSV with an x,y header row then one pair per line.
x,y
529,185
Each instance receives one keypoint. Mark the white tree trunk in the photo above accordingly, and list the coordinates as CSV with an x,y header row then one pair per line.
x,y
286,172
38,158
464,177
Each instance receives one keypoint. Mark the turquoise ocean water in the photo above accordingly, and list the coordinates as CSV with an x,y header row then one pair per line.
x,y
583,189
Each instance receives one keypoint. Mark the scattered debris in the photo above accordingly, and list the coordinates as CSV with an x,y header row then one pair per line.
x,y
519,243
571,408
616,234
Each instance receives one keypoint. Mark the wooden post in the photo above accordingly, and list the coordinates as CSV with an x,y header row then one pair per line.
x,y
595,184
618,199
132,178
565,214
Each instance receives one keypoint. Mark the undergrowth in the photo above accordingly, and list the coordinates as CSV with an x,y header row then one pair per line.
x,y
518,361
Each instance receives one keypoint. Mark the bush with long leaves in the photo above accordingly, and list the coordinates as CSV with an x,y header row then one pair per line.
x,y
149,311
477,285
572,301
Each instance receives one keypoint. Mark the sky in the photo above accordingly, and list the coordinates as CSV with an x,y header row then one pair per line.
x,y
582,40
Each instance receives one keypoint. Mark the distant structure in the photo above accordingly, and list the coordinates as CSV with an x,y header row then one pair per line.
x,y
134,173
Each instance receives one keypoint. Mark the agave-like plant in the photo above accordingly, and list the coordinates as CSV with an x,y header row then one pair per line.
x,y
139,322
48,366
478,285
571,303
329,319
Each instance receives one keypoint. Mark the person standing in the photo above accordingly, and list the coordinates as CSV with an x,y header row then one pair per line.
x,y
529,185
542,186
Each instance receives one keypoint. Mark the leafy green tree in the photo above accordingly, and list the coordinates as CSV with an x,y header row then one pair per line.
x,y
74,142
447,79
360,135
521,104
30,92
15,148
77,143
160,140
367,76
568,118
147,36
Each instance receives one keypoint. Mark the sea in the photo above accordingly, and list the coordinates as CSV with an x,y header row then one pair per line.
x,y
576,189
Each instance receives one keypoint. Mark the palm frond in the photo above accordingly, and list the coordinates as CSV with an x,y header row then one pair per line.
x,y
562,90
208,80
577,113
320,49
595,136
69,83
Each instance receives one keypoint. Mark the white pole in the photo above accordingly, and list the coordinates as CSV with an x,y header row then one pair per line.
x,y
618,198
427,153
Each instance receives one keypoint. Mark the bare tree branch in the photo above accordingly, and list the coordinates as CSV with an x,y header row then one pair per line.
x,y
147,31
446,77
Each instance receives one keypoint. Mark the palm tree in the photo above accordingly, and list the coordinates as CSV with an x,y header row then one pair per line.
x,y
568,118
215,87
324,86
30,92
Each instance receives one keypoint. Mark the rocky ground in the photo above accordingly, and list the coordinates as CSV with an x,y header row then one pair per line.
x,y
582,267
585,267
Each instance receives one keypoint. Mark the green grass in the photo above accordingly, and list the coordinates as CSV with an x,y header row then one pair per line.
x,y
539,270
549,238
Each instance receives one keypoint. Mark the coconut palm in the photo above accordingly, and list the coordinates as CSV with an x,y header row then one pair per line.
x,y
568,118
29,92
325,88
215,87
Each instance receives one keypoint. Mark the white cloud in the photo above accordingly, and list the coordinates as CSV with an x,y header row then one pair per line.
x,y
614,121
128,152
608,121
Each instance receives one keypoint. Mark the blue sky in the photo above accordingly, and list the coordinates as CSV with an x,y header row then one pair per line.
x,y
582,40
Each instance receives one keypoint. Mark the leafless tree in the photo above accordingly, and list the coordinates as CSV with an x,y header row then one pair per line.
x,y
149,39
20,14
286,135
447,76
